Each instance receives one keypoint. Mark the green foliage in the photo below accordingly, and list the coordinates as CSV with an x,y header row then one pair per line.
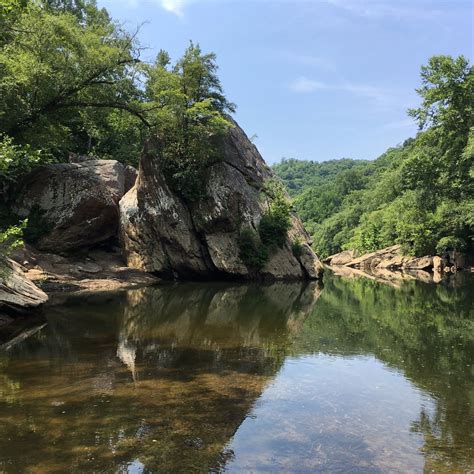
x,y
419,194
10,238
189,113
256,247
10,12
297,248
305,175
16,160
252,252
276,221
71,80
450,243
65,67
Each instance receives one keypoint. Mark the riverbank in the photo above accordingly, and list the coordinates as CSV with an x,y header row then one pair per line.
x,y
96,270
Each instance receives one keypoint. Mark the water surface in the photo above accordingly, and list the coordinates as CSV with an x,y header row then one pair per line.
x,y
357,376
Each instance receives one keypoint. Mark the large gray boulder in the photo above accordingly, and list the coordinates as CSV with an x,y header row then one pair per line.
x,y
17,293
73,204
164,234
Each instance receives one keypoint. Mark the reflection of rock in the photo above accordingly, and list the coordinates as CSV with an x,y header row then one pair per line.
x,y
392,259
127,355
199,356
383,275
212,317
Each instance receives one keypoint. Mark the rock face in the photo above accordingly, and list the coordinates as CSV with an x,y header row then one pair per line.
x,y
74,204
17,293
162,233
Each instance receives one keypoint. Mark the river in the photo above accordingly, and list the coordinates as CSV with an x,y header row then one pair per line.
x,y
353,375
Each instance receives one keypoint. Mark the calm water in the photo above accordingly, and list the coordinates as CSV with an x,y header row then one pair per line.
x,y
357,376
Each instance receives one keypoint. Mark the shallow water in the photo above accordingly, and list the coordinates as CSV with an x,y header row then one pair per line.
x,y
357,376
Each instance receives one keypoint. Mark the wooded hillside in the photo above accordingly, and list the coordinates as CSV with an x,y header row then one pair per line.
x,y
419,194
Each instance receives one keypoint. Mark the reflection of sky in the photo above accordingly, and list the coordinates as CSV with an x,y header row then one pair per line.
x,y
332,413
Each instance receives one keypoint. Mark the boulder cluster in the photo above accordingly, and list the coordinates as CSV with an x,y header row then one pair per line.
x,y
75,206
392,258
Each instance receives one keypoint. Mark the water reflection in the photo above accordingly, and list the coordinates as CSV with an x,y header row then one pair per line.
x,y
426,333
360,376
160,377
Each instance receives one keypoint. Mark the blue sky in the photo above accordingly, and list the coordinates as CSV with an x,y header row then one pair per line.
x,y
317,79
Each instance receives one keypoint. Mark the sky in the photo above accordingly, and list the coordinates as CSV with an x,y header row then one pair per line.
x,y
315,80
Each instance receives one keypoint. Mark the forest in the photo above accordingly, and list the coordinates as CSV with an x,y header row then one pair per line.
x,y
419,194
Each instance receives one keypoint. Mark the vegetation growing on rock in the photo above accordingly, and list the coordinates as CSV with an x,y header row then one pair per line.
x,y
189,107
257,246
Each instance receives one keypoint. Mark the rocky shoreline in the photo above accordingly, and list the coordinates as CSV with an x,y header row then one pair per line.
x,y
98,225
390,264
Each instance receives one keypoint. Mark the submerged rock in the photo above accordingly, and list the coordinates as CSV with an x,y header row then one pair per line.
x,y
17,293
164,234
72,205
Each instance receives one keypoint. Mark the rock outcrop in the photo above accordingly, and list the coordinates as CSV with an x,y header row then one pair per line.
x,y
164,234
341,258
101,270
73,204
18,293
391,258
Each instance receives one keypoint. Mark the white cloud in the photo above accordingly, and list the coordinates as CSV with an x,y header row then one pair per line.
x,y
174,6
306,85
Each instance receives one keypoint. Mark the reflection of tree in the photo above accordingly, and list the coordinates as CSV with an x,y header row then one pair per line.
x,y
426,331
201,356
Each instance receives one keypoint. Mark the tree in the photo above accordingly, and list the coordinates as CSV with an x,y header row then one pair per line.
x,y
446,113
447,90
56,69
189,116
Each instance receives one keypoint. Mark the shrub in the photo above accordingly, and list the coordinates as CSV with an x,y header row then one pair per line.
x,y
252,252
16,160
10,238
255,247
297,247
272,230
450,243
276,221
